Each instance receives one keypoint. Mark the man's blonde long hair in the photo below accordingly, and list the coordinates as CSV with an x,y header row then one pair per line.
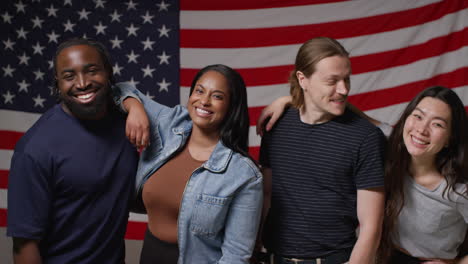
x,y
309,54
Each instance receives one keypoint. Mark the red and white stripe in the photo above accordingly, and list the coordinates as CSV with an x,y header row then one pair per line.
x,y
397,49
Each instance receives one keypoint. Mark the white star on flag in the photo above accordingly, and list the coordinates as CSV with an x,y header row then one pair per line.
x,y
39,75
100,3
8,98
68,26
38,101
7,18
38,48
23,86
116,42
8,44
132,30
20,7
100,29
116,69
148,44
131,5
37,22
163,31
147,18
52,11
163,86
163,6
8,71
164,58
53,37
84,14
148,71
22,33
132,57
115,16
23,59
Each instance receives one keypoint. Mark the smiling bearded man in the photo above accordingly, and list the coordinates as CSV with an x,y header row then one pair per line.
x,y
72,173
83,81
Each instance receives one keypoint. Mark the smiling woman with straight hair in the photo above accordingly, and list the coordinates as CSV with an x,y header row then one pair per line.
x,y
201,190
426,181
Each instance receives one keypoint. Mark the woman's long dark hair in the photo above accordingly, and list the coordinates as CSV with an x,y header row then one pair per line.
x,y
451,161
234,130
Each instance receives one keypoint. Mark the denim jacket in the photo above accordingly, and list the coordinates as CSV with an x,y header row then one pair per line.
x,y
222,202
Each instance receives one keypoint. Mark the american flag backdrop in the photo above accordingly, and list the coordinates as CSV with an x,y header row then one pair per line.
x,y
397,48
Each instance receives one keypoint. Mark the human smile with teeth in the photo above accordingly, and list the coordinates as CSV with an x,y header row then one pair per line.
x,y
86,98
419,141
209,101
203,112
427,129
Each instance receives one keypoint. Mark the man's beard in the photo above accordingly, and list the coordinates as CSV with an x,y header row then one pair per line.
x,y
93,110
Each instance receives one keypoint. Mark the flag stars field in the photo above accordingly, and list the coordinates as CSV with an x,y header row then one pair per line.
x,y
141,36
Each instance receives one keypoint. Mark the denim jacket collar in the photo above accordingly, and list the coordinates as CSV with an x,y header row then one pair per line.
x,y
219,158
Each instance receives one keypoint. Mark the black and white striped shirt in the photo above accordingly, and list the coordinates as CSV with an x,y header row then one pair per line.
x,y
317,170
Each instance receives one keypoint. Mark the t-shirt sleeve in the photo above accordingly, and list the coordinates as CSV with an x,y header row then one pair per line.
x,y
369,171
29,198
264,157
462,203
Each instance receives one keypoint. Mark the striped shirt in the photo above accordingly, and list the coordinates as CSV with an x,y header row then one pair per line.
x,y
317,170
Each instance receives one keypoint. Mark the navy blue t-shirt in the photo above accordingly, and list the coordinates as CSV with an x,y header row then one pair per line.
x,y
70,186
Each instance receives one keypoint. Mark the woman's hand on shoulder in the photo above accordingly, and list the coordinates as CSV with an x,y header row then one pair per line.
x,y
137,126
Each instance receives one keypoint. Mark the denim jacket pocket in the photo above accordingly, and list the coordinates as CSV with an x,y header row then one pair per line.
x,y
209,215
